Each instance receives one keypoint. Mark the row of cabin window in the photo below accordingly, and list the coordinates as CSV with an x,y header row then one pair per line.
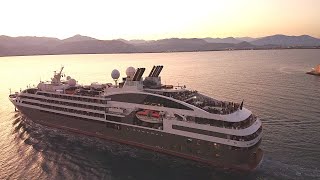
x,y
219,123
217,134
75,98
145,131
66,103
199,142
245,148
28,97
75,117
118,127
217,146
67,110
113,126
30,91
248,137
75,105
113,118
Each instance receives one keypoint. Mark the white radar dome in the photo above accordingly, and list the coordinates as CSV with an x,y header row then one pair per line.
x,y
115,74
72,82
68,78
130,71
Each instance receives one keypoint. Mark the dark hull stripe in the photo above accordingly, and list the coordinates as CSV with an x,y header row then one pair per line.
x,y
245,167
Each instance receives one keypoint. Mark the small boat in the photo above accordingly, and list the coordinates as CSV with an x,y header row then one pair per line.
x,y
315,71
149,116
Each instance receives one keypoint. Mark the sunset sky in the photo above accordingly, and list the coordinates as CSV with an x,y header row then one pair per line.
x,y
147,19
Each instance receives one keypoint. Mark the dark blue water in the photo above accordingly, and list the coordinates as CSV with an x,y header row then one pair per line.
x,y
272,83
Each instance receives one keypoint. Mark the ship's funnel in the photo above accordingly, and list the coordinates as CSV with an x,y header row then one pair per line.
x,y
140,74
151,72
137,76
159,71
156,71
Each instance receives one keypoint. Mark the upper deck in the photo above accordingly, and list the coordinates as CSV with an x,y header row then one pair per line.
x,y
134,82
199,100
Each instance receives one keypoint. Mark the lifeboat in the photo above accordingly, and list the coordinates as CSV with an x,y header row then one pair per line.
x,y
155,114
143,113
149,116
69,91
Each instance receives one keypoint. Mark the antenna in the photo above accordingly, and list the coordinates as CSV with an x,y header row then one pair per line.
x,y
61,69
241,105
116,82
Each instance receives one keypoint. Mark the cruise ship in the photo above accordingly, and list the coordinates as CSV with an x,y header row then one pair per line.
x,y
145,113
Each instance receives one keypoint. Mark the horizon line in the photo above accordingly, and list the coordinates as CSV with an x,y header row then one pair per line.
x,y
161,38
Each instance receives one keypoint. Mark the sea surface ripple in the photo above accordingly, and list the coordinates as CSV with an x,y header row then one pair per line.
x,y
272,83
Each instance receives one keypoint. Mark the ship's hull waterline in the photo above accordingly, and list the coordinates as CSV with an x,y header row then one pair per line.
x,y
313,73
213,154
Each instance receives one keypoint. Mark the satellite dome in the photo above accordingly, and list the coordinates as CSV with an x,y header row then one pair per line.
x,y
130,71
115,74
72,82
68,77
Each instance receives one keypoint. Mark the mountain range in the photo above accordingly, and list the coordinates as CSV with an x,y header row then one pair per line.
x,y
78,44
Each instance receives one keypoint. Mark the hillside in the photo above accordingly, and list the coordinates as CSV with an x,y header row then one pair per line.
x,y
29,45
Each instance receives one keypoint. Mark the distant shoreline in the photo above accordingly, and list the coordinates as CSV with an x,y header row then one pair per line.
x,y
31,46
293,48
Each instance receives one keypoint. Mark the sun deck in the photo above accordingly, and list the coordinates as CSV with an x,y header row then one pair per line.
x,y
199,100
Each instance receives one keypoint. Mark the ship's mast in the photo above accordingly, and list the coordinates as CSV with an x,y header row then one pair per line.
x,y
57,76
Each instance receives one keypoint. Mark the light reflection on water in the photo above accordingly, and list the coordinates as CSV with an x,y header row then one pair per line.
x,y
273,85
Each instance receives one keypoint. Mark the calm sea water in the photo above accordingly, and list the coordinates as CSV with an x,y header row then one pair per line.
x,y
272,83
